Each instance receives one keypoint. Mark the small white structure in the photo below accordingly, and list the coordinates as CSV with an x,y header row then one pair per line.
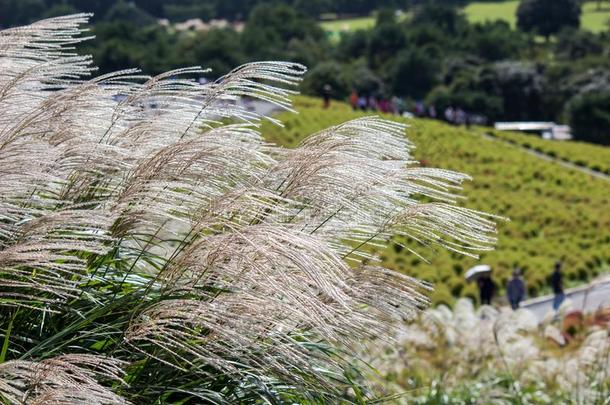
x,y
548,130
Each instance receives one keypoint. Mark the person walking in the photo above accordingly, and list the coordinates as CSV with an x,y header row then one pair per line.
x,y
557,286
487,288
353,100
515,289
326,92
449,115
372,103
384,105
362,103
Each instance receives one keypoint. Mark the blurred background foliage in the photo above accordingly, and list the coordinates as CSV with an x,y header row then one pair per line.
x,y
531,60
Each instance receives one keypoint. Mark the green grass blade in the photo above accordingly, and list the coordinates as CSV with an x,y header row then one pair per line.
x,y
7,336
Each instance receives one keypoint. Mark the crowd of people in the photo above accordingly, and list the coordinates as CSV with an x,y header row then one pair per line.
x,y
515,288
399,106
393,105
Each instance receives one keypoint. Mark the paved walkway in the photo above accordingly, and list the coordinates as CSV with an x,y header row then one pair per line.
x,y
550,158
587,299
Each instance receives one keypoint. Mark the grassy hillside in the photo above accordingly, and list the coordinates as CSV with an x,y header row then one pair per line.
x,y
336,27
555,212
592,19
486,11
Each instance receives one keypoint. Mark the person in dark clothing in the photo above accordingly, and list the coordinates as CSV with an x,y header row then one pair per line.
x,y
515,289
557,286
326,93
487,288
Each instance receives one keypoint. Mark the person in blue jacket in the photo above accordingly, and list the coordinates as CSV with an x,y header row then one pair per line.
x,y
557,286
515,290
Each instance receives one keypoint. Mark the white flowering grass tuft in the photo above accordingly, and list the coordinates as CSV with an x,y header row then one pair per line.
x,y
153,247
493,356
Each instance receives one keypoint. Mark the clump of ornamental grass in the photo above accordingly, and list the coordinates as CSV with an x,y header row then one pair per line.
x,y
155,249
468,355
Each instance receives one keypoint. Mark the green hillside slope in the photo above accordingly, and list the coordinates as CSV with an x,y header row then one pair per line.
x,y
555,212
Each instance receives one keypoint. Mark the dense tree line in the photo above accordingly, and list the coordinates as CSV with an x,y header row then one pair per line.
x,y
16,12
489,69
436,56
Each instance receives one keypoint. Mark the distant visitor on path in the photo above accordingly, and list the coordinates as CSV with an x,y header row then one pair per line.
x,y
353,100
449,115
326,92
487,288
372,103
515,289
362,103
557,286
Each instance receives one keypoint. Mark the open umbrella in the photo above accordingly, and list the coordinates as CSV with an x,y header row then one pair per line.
x,y
477,271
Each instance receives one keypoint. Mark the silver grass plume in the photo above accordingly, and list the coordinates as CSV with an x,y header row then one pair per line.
x,y
240,258
63,380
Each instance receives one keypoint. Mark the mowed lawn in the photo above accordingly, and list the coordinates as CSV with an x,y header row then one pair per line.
x,y
336,27
350,24
592,19
483,11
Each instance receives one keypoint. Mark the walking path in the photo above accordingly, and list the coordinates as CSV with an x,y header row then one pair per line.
x,y
549,158
586,299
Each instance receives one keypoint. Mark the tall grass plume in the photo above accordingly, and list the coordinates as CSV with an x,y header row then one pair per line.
x,y
153,247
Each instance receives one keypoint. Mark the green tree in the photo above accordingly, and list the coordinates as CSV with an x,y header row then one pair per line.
x,y
60,9
271,28
99,8
18,12
128,12
415,72
120,45
218,49
520,85
313,8
447,18
494,41
183,12
589,117
547,17
326,73
576,44
353,45
386,39
362,79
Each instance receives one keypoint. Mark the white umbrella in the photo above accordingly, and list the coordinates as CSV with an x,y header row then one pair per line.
x,y
477,271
